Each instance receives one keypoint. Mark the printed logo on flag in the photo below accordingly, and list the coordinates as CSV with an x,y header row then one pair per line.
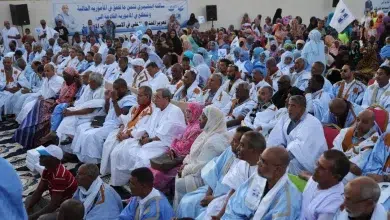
x,y
344,15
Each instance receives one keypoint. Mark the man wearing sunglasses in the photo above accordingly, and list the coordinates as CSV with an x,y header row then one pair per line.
x,y
349,88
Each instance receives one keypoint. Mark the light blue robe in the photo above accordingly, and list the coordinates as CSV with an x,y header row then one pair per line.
x,y
82,66
157,208
286,204
353,94
329,118
318,103
328,87
190,204
376,162
106,207
11,203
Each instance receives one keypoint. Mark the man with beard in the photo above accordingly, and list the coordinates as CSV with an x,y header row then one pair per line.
x,y
234,79
263,113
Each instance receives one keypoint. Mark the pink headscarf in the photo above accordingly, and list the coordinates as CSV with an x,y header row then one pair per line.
x,y
183,145
71,71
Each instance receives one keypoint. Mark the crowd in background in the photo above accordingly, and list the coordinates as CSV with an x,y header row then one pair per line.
x,y
273,119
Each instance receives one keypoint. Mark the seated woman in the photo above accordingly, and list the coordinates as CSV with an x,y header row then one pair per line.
x,y
82,110
180,148
36,124
209,144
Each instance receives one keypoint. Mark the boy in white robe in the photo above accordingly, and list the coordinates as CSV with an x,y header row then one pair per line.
x,y
166,123
296,134
268,192
215,94
323,194
366,191
88,141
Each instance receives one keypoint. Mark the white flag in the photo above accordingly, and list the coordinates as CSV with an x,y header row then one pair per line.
x,y
342,17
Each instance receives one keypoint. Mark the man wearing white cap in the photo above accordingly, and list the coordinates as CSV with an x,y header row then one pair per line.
x,y
141,76
55,178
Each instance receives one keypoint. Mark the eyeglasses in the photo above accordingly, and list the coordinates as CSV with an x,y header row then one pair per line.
x,y
344,70
232,65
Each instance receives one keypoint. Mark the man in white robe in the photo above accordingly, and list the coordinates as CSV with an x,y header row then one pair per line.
x,y
158,79
252,145
268,192
63,60
276,73
349,88
44,33
141,76
85,45
215,94
110,69
9,33
341,113
29,81
213,173
166,123
51,85
379,92
9,86
88,141
124,71
234,79
316,98
39,52
132,126
189,91
84,109
98,66
260,116
300,77
296,134
237,109
73,58
323,193
366,191
258,82
358,141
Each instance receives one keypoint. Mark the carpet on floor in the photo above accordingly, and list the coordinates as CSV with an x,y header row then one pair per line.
x,y
16,155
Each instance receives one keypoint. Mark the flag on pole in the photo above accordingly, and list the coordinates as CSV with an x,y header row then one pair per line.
x,y
342,17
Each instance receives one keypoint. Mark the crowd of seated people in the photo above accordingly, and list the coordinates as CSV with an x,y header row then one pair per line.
x,y
291,124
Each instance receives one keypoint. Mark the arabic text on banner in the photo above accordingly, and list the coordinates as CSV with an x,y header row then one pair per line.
x,y
127,15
